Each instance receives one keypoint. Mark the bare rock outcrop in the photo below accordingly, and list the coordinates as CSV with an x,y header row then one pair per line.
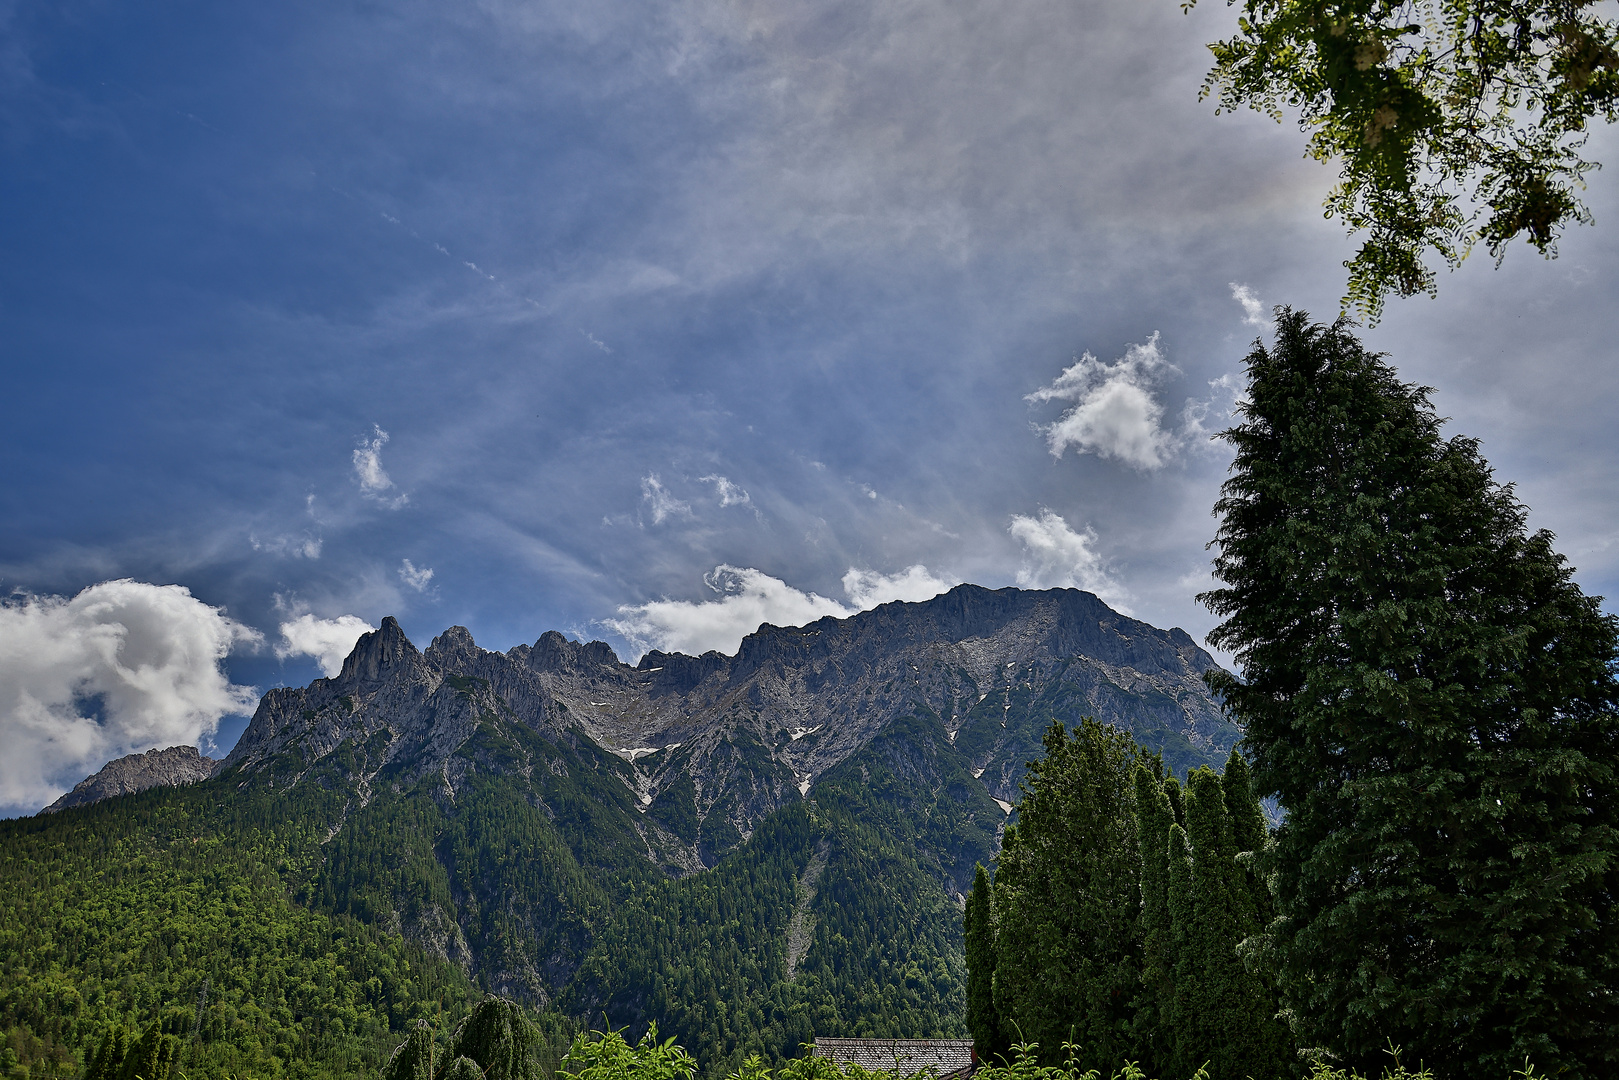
x,y
156,768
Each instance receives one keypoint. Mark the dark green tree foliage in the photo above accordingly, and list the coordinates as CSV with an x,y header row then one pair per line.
x,y
413,1059
982,1019
1154,818
1067,897
462,1068
1230,1013
108,1061
1176,1008
154,1056
1177,800
1433,700
1248,831
499,1039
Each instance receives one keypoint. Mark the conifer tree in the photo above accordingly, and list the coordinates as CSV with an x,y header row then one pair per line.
x,y
1184,1053
1067,900
1154,816
982,1020
108,1060
1248,831
1177,800
499,1039
1434,702
413,1058
1232,1014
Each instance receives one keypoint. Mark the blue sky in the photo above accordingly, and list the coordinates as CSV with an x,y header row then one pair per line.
x,y
642,321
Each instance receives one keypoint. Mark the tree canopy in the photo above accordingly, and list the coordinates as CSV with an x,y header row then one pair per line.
x,y
1455,121
1434,701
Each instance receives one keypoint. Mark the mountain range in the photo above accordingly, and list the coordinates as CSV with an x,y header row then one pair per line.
x,y
749,850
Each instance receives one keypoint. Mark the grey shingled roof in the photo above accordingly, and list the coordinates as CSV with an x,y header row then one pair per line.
x,y
944,1058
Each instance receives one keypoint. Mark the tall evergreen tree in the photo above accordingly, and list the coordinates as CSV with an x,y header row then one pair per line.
x,y
1184,1053
982,1019
1248,830
1177,800
1154,817
1232,1014
1067,898
413,1058
500,1039
1434,701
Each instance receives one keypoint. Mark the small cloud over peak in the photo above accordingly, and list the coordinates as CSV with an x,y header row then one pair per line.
x,y
1056,556
327,641
416,577
1115,412
661,501
1253,312
867,589
375,483
746,599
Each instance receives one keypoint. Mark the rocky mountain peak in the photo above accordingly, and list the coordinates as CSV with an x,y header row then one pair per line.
x,y
156,768
378,652
453,650
554,652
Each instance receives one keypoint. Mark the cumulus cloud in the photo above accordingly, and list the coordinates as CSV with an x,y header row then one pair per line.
x,y
664,505
867,588
329,641
1058,556
414,577
1115,412
1253,312
746,598
120,668
375,483
728,493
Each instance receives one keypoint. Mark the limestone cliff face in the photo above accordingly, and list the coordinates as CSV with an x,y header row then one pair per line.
x,y
722,741
156,768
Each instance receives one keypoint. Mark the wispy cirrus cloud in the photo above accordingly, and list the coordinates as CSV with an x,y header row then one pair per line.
x,y
661,501
375,483
417,577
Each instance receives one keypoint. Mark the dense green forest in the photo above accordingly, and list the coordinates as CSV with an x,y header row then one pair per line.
x,y
313,932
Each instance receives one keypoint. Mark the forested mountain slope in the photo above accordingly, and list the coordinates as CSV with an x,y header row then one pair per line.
x,y
749,850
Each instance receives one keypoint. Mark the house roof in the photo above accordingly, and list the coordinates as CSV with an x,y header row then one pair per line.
x,y
946,1059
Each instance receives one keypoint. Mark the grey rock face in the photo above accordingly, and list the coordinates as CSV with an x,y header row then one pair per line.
x,y
722,741
156,768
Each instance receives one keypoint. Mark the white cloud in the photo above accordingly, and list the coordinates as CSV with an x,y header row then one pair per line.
x,y
1253,312
1056,556
415,578
728,493
120,668
867,588
375,483
747,598
664,505
1115,414
329,641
